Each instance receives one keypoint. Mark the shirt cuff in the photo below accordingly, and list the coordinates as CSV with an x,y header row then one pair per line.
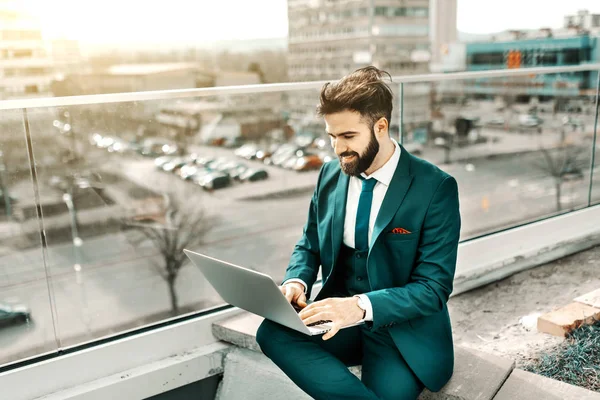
x,y
369,308
297,280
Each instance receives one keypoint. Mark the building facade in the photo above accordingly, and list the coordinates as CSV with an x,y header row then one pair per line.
x,y
329,39
26,67
577,43
442,30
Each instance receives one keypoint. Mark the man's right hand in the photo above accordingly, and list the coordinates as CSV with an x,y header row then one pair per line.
x,y
294,293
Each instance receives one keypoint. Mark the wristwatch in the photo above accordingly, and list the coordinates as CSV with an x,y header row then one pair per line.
x,y
362,306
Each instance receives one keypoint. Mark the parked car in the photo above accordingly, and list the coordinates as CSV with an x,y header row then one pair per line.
x,y
233,168
214,180
284,158
217,163
308,162
496,121
282,153
233,142
95,139
235,173
247,151
253,175
160,161
177,163
106,142
14,314
156,148
289,162
119,146
187,170
529,120
263,153
199,174
327,155
174,164
203,160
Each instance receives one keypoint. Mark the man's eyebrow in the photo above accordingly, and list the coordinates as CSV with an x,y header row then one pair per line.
x,y
344,133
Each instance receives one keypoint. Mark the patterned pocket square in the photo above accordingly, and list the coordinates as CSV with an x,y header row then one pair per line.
x,y
400,231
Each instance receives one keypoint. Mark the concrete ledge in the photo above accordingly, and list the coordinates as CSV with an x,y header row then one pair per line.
x,y
251,375
523,385
152,378
239,330
477,375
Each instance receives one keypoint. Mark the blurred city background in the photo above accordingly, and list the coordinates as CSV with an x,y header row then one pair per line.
x,y
98,198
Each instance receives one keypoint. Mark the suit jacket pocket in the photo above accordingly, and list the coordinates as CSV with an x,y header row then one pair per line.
x,y
401,236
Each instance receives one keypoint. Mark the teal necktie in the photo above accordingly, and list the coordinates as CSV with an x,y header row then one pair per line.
x,y
363,213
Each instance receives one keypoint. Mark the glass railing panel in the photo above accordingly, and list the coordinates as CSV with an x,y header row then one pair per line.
x,y
123,187
518,146
594,195
26,320
235,179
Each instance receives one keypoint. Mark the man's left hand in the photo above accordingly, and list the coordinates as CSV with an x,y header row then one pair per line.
x,y
341,311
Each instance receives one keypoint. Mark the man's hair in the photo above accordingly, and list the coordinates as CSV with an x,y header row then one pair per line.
x,y
363,91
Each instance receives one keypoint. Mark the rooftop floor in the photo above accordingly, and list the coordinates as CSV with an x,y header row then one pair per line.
x,y
500,318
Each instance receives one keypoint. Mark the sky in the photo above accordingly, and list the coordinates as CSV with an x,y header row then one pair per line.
x,y
187,21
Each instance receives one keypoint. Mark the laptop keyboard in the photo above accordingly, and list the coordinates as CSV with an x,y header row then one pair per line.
x,y
298,309
318,322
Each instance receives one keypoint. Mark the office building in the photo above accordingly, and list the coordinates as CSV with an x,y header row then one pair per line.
x,y
26,67
329,39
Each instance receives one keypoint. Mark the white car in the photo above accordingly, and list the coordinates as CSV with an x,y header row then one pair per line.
x,y
529,120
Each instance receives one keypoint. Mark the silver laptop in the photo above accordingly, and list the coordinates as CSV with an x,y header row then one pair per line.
x,y
253,291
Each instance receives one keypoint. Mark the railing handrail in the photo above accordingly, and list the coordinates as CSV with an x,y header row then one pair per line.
x,y
271,87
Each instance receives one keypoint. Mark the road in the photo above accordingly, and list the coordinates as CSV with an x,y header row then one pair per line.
x,y
118,285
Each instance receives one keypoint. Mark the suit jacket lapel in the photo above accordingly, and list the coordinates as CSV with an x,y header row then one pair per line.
x,y
339,215
394,196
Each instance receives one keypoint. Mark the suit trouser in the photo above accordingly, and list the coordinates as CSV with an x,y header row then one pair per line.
x,y
320,367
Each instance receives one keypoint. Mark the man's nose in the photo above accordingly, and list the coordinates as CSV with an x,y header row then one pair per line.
x,y
338,146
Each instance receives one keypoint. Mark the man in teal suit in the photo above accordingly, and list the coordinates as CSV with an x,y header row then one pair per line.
x,y
384,227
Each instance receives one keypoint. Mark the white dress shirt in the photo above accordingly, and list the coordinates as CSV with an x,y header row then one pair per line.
x,y
384,177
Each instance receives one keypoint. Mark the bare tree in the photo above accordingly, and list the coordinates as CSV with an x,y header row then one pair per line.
x,y
182,226
563,163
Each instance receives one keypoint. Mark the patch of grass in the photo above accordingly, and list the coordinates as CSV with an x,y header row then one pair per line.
x,y
575,361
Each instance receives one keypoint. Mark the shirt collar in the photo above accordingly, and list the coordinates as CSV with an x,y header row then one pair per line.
x,y
386,172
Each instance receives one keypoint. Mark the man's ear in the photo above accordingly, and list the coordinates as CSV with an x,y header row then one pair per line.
x,y
381,126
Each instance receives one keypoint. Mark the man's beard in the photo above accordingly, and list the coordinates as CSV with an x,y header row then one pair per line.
x,y
362,162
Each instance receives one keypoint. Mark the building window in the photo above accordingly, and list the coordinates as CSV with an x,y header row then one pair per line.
x,y
21,35
487,58
417,12
401,30
571,57
22,53
31,89
547,58
401,11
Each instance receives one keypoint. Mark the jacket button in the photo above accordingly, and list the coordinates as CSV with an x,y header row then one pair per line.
x,y
359,278
358,256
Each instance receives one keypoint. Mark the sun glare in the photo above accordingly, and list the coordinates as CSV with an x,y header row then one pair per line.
x,y
165,22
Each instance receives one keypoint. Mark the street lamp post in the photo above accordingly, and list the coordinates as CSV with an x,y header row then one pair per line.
x,y
77,242
4,188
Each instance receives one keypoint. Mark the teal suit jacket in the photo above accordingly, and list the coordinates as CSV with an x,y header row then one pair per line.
x,y
410,275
